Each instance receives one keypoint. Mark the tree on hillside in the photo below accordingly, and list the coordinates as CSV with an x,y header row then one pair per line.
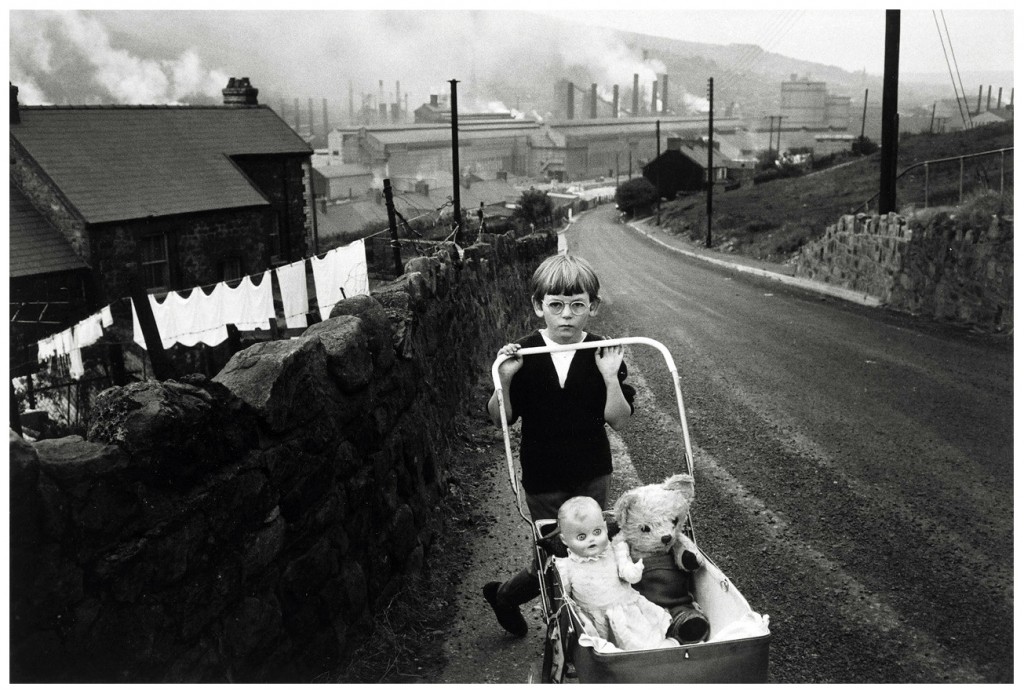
x,y
534,207
636,195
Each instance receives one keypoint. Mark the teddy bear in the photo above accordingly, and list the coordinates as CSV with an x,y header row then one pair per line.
x,y
651,520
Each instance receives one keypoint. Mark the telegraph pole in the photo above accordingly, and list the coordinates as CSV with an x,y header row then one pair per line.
x,y
771,134
864,116
455,161
711,149
657,155
395,249
890,85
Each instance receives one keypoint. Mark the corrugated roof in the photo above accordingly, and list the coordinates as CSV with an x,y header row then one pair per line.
x,y
128,162
36,247
343,170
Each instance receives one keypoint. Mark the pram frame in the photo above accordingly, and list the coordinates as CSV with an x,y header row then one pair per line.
x,y
562,622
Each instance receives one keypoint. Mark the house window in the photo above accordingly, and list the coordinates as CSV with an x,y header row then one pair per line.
x,y
154,262
231,268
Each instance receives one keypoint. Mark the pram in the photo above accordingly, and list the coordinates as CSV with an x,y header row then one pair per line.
x,y
737,647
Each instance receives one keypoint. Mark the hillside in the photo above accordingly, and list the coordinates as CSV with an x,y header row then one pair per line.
x,y
772,220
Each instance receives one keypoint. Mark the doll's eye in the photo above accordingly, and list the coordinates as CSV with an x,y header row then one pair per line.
x,y
581,537
597,532
645,528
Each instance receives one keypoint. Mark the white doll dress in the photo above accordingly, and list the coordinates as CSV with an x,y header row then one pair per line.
x,y
615,610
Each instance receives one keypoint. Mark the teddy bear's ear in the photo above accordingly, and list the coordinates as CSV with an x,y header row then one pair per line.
x,y
623,507
680,483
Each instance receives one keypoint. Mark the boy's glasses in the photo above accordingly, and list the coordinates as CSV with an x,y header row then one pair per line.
x,y
578,308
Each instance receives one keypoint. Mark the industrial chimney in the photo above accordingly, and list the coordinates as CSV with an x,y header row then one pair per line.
x,y
569,101
15,111
239,92
593,100
615,101
636,94
654,97
664,93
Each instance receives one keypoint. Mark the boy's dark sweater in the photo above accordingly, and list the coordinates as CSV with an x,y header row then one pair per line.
x,y
563,438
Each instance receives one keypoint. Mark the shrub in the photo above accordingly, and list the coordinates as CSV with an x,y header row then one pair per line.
x,y
534,207
635,195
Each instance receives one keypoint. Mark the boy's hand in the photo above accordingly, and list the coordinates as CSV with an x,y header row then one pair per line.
x,y
508,368
609,359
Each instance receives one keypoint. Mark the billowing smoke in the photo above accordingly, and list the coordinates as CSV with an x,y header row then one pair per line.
x,y
510,58
69,57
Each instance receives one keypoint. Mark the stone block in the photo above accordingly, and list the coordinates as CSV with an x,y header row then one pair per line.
x,y
347,345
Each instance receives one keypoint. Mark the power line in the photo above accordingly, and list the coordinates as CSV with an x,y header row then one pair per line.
x,y
950,69
949,39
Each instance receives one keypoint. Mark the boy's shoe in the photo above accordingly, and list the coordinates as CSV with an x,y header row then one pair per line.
x,y
510,618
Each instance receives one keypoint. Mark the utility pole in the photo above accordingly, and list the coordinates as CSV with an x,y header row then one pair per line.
x,y
657,165
890,85
779,140
931,126
771,134
455,161
864,116
395,249
711,149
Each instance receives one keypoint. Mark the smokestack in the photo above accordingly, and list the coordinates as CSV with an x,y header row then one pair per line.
x,y
988,101
654,97
311,116
980,88
398,101
239,92
615,101
664,93
298,116
327,125
999,101
433,99
381,99
15,111
569,101
593,100
351,105
636,94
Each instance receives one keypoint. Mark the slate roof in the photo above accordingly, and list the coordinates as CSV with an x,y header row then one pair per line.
x,y
343,170
128,162
36,247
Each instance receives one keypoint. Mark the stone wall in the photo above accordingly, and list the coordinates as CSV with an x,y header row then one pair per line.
x,y
933,267
245,528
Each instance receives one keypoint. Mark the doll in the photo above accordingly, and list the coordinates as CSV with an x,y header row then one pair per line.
x,y
597,574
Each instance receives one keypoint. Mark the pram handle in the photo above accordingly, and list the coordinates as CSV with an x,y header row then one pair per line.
x,y
596,344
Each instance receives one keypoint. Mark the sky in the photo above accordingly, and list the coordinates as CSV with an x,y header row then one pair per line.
x,y
981,40
170,57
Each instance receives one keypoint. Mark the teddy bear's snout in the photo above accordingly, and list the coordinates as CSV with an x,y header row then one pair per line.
x,y
666,539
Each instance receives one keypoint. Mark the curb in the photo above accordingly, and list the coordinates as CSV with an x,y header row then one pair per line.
x,y
801,282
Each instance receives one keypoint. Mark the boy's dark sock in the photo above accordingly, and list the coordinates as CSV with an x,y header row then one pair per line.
x,y
509,617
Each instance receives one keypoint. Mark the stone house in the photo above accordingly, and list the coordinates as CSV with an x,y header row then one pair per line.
x,y
181,196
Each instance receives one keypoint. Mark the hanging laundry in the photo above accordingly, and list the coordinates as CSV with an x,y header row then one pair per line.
x,y
69,342
294,294
341,269
202,317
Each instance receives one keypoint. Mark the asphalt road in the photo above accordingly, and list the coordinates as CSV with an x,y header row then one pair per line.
x,y
854,471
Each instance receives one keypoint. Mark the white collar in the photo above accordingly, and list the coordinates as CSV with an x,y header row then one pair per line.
x,y
586,560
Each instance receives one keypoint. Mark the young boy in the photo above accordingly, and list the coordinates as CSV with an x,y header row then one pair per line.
x,y
564,400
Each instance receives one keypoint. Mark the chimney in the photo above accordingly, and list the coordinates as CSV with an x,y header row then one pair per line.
x,y
654,97
501,176
673,143
615,101
15,112
999,101
593,100
327,126
422,187
433,100
239,92
988,100
636,94
569,99
664,93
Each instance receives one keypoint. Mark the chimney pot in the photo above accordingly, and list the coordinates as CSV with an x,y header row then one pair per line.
x,y
433,99
240,92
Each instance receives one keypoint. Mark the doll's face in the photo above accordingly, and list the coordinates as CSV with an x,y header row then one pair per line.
x,y
585,535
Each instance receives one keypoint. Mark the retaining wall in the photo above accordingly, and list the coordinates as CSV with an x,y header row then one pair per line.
x,y
244,528
934,268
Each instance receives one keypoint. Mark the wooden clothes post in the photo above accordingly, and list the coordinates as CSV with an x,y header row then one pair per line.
x,y
162,368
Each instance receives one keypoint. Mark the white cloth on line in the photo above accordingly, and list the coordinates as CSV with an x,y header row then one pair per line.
x,y
341,269
294,294
202,317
